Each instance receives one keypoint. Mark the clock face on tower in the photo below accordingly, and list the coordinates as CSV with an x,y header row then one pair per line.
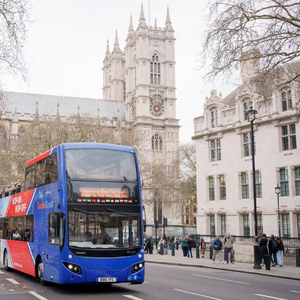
x,y
156,108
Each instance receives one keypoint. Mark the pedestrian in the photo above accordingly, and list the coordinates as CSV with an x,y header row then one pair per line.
x,y
273,247
227,242
280,251
202,247
263,242
183,242
148,244
189,246
217,249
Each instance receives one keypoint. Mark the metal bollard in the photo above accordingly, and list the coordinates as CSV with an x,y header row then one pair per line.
x,y
173,249
161,249
197,251
298,257
267,262
210,252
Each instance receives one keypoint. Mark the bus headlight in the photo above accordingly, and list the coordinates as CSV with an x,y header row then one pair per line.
x,y
72,267
137,267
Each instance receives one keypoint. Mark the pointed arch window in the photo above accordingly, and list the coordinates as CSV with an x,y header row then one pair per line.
x,y
156,142
2,139
155,70
214,118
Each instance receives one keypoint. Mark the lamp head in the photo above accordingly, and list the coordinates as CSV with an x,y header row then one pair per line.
x,y
277,189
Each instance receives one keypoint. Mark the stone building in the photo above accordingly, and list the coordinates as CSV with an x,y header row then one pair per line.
x,y
224,158
139,99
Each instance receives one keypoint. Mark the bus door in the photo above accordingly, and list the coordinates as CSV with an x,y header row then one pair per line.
x,y
51,258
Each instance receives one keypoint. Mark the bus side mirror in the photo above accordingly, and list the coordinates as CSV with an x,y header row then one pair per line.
x,y
55,221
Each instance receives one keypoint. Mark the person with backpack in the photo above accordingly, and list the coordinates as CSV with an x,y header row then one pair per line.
x,y
217,249
227,242
273,248
202,247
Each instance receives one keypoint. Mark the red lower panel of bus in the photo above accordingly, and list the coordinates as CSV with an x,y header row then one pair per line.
x,y
20,257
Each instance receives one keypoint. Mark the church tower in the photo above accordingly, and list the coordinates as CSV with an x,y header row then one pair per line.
x,y
149,94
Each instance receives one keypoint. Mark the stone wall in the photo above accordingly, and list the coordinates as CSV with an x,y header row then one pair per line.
x,y
244,252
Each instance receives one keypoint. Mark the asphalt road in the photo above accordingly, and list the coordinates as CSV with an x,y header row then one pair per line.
x,y
162,282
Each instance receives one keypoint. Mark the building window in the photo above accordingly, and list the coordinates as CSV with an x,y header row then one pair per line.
x,y
156,142
259,225
245,108
124,90
286,226
214,118
247,144
245,185
2,139
286,100
288,137
157,211
258,187
215,149
223,224
195,221
211,185
155,70
297,180
284,182
298,225
212,226
222,185
246,225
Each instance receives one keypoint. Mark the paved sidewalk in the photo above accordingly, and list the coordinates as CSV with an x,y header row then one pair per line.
x,y
288,271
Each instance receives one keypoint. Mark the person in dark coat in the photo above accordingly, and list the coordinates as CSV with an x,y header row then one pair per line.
x,y
263,242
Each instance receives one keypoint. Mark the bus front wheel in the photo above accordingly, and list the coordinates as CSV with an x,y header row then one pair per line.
x,y
6,267
40,273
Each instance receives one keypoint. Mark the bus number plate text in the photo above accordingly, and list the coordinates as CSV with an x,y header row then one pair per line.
x,y
107,279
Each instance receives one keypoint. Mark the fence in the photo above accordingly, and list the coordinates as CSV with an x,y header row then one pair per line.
x,y
290,244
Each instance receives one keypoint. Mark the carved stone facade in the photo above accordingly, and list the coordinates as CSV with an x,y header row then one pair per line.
x,y
224,158
139,97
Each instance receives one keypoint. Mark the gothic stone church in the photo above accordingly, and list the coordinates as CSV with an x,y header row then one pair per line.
x,y
139,100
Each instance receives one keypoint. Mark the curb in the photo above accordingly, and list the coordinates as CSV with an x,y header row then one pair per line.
x,y
222,269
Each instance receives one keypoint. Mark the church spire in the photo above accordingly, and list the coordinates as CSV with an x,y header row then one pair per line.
x,y
142,20
116,44
130,30
168,23
107,48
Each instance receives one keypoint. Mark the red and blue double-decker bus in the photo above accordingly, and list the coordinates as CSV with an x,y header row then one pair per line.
x,y
78,218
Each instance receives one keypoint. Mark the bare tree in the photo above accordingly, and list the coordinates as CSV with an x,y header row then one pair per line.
x,y
268,29
14,21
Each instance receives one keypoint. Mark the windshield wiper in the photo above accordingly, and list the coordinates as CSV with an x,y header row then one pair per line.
x,y
118,212
84,211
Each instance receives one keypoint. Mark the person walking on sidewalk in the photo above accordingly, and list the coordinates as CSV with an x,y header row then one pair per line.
x,y
217,249
189,246
273,246
202,247
183,242
263,242
280,252
227,242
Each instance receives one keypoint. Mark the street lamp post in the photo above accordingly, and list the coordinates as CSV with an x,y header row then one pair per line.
x,y
278,191
251,117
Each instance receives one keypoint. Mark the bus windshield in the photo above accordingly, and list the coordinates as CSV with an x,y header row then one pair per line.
x,y
100,164
104,230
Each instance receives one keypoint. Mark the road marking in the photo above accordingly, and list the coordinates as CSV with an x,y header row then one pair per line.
x,y
33,293
132,297
241,282
12,280
295,292
270,297
200,295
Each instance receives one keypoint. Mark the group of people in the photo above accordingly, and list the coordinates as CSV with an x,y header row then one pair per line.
x,y
228,244
273,247
11,190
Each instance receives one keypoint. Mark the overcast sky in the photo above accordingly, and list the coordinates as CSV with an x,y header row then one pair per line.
x,y
67,42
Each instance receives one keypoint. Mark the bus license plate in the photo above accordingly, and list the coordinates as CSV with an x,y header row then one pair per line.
x,y
107,279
